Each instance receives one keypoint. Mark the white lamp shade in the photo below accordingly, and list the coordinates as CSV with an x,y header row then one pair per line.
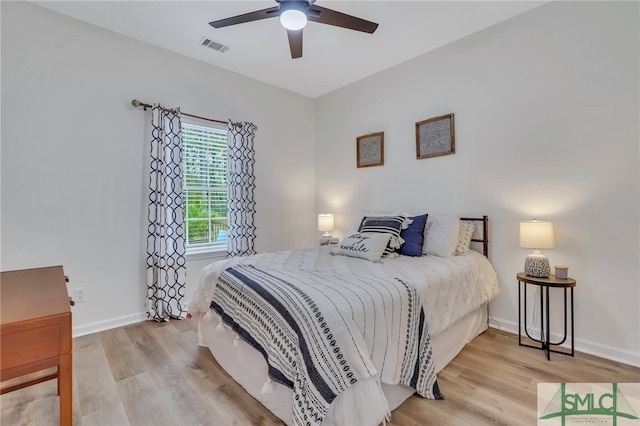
x,y
293,19
325,222
536,234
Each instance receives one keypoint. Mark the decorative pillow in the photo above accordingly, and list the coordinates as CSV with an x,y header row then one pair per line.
x,y
442,235
413,236
362,214
364,246
391,225
464,238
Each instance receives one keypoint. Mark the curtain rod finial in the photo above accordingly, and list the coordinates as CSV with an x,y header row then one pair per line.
x,y
136,103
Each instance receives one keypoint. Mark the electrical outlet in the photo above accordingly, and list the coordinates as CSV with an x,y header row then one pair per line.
x,y
78,294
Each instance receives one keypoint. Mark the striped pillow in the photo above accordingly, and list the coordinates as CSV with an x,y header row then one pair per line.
x,y
385,225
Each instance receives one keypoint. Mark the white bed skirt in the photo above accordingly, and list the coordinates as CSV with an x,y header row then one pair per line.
x,y
355,406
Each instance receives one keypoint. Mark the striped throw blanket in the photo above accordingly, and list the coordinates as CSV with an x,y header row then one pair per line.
x,y
320,334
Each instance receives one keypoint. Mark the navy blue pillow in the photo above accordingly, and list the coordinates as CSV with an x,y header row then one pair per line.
x,y
413,236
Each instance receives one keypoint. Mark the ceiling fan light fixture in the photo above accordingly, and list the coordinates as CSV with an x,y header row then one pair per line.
x,y
293,15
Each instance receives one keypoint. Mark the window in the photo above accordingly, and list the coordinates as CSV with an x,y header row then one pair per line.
x,y
204,156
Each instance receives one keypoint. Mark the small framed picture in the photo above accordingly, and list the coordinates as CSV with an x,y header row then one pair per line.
x,y
435,137
370,150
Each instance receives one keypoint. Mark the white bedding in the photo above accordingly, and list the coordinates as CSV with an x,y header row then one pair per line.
x,y
358,405
450,288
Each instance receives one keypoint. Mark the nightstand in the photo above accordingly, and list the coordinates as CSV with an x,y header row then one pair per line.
x,y
544,342
329,241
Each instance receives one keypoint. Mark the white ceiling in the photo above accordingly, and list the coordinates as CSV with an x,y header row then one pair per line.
x,y
332,57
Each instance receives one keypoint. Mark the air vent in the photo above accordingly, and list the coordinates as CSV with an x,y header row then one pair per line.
x,y
211,44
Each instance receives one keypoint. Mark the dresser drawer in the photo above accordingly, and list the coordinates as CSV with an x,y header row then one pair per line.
x,y
27,346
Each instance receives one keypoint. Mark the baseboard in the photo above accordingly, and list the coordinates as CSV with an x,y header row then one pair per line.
x,y
581,345
95,327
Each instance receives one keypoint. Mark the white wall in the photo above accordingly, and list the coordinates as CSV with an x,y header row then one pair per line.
x,y
546,109
73,154
546,119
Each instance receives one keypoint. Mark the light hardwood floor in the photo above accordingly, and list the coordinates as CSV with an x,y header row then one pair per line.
x,y
156,374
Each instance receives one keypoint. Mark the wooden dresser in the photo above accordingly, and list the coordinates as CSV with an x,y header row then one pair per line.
x,y
36,331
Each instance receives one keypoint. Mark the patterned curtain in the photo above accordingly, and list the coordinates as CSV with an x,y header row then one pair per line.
x,y
241,205
166,269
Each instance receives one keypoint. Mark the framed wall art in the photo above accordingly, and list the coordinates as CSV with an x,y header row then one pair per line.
x,y
370,150
435,137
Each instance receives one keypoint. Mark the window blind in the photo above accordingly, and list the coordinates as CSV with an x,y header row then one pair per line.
x,y
204,151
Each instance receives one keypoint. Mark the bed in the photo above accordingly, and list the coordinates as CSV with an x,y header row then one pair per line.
x,y
320,336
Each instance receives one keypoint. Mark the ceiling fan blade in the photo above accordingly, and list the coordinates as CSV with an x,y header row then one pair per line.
x,y
246,17
295,43
339,19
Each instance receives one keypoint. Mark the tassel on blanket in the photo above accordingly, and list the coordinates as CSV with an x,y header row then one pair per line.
x,y
236,341
220,328
267,388
208,316
387,416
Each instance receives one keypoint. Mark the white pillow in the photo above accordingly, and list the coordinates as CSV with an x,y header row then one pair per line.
x,y
441,235
366,246
464,239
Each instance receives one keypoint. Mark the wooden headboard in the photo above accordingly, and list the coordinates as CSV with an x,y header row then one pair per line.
x,y
485,232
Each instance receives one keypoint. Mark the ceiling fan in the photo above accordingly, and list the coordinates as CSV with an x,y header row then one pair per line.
x,y
294,16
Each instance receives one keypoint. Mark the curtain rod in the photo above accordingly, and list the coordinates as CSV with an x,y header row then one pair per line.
x,y
136,103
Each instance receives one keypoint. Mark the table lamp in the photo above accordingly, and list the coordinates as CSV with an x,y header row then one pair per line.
x,y
325,224
536,234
